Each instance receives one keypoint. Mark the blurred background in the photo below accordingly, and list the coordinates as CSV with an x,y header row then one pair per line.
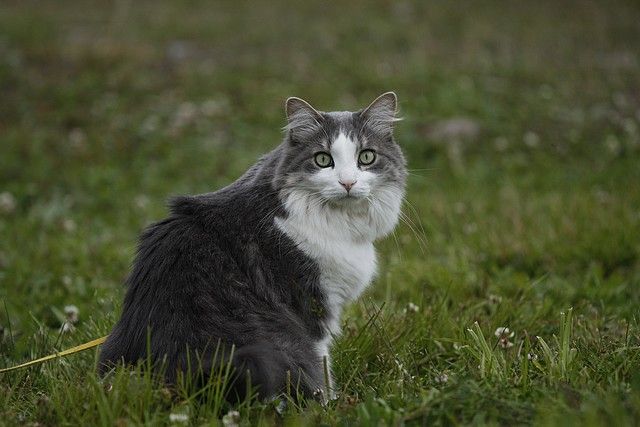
x,y
521,128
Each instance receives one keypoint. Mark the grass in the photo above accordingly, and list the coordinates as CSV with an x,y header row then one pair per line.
x,y
522,131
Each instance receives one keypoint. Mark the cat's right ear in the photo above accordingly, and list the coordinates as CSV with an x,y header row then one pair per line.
x,y
302,118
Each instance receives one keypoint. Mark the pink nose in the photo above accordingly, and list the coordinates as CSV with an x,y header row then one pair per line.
x,y
347,185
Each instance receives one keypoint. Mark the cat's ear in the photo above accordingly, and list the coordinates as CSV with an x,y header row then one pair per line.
x,y
302,118
381,114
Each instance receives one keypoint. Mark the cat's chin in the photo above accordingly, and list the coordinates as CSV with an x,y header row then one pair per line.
x,y
348,202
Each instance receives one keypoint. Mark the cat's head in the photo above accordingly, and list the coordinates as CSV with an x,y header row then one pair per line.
x,y
343,157
345,161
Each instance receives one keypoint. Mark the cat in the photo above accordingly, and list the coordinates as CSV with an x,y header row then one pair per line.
x,y
259,271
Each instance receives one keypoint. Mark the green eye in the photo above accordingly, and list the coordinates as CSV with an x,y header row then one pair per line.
x,y
323,160
366,157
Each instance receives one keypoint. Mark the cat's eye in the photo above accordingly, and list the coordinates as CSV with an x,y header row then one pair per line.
x,y
323,160
366,157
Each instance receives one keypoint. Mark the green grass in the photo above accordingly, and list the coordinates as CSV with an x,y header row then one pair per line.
x,y
532,222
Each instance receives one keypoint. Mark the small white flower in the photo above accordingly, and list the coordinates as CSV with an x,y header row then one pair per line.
x,y
505,343
69,225
77,138
470,228
7,202
613,144
141,201
531,139
232,419
532,356
442,378
495,299
411,308
72,313
504,335
503,331
179,418
150,124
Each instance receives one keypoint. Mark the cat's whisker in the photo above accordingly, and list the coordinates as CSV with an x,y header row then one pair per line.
x,y
422,242
416,175
417,216
395,239
421,239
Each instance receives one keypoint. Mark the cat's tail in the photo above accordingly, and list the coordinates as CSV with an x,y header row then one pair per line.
x,y
261,369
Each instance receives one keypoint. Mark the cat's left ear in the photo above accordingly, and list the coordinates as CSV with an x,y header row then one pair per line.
x,y
381,114
302,118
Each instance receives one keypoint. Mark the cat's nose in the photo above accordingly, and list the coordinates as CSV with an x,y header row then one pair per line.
x,y
347,184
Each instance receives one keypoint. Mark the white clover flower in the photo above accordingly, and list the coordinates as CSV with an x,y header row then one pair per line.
x,y
442,378
150,124
7,202
495,299
72,313
470,228
503,331
77,138
411,308
531,139
504,334
141,201
505,343
179,418
69,225
232,419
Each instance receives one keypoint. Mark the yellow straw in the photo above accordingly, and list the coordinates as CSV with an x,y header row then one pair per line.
x,y
72,350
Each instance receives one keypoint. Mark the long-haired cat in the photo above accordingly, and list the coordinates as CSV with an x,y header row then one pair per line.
x,y
266,264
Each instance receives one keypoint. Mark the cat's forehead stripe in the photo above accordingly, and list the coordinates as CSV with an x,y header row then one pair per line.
x,y
343,148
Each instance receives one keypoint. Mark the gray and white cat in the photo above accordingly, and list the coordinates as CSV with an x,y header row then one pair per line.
x,y
267,264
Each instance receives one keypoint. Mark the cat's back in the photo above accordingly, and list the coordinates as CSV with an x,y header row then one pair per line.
x,y
200,273
207,234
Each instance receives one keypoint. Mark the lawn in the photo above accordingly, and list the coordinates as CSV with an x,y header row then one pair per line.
x,y
522,132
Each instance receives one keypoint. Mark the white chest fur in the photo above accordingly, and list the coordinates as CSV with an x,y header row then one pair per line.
x,y
341,242
335,240
346,268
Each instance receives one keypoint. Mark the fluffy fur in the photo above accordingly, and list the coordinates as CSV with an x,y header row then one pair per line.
x,y
266,265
